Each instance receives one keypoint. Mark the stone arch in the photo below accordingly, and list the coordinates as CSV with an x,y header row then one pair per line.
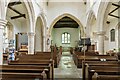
x,y
117,26
117,33
90,18
101,25
71,16
44,22
102,14
39,34
44,28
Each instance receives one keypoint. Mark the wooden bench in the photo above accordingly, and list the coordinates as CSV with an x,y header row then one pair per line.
x,y
23,72
102,70
86,64
21,76
56,55
43,56
106,77
94,58
46,63
76,54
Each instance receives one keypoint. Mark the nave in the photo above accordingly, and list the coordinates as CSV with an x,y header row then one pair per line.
x,y
36,36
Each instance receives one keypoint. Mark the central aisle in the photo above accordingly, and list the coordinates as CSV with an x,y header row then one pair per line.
x,y
67,69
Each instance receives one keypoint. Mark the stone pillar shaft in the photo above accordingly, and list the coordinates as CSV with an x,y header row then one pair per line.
x,y
101,42
31,42
2,25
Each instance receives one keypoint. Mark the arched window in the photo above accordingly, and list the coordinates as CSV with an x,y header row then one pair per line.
x,y
65,37
112,34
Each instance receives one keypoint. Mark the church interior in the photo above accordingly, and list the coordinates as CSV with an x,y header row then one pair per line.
x,y
59,39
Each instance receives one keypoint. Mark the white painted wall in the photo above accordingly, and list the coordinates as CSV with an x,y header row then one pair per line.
x,y
57,33
112,25
55,9
19,26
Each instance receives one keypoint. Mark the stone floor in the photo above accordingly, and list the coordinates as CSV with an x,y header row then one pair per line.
x,y
67,69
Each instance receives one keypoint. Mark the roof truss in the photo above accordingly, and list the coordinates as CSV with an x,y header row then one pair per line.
x,y
19,14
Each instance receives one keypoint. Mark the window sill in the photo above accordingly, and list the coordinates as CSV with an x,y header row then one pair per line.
x,y
65,43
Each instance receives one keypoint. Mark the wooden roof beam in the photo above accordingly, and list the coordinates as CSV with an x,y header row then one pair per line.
x,y
114,16
114,10
110,14
14,3
115,5
22,15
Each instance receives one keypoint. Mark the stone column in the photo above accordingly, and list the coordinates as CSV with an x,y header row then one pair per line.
x,y
2,25
44,43
31,42
101,42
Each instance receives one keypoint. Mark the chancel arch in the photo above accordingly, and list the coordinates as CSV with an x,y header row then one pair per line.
x,y
66,23
71,16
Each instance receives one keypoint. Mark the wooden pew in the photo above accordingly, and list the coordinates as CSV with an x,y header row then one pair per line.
x,y
49,64
94,58
37,59
21,76
20,72
85,64
38,52
77,54
37,56
89,53
44,56
102,70
106,77
34,59
55,54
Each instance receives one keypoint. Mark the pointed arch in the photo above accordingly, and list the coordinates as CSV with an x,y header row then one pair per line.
x,y
68,15
39,35
90,19
102,14
42,25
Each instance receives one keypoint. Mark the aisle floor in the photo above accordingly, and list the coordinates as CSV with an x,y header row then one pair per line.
x,y
67,69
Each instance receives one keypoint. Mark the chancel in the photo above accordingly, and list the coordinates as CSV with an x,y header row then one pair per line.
x,y
60,39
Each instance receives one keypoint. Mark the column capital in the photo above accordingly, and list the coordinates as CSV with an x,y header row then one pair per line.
x,y
101,33
3,23
31,34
